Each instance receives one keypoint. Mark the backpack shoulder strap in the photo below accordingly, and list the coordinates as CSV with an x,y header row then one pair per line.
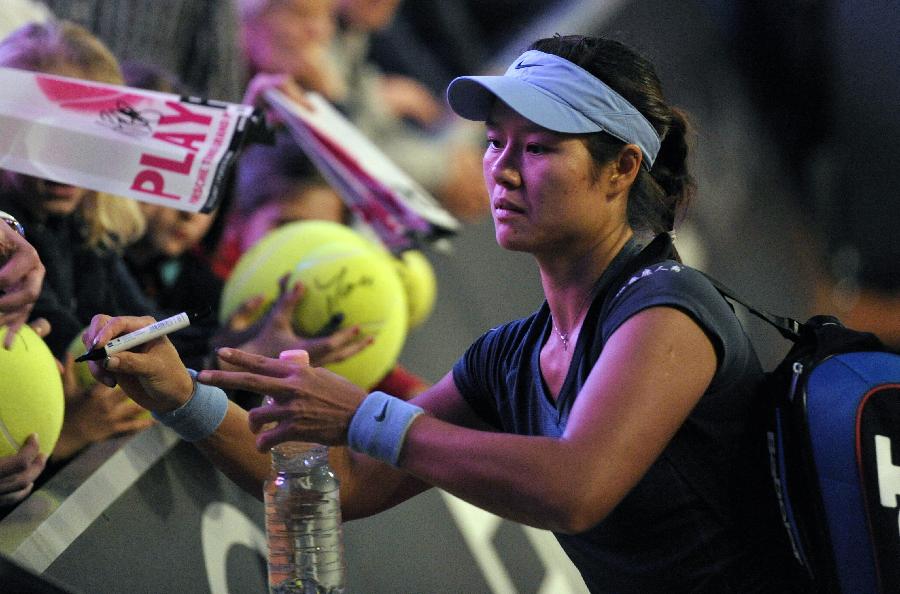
x,y
661,248
821,335
787,327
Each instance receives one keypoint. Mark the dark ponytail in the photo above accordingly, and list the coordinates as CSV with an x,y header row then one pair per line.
x,y
660,195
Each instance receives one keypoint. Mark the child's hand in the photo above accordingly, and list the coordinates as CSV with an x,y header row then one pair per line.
x,y
274,333
19,471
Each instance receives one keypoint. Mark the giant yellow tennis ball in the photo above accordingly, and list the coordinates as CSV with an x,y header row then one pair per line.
x,y
362,286
343,273
31,393
258,270
420,283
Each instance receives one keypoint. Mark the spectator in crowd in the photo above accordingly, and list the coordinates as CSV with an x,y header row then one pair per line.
x,y
79,235
274,185
323,45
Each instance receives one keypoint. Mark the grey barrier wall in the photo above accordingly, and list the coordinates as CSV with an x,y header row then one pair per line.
x,y
150,514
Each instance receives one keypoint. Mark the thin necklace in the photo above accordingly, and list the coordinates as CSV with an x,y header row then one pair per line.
x,y
564,336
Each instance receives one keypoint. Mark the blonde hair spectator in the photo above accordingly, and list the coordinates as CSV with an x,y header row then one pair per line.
x,y
67,49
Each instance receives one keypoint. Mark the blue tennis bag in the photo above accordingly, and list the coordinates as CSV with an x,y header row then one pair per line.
x,y
832,418
834,445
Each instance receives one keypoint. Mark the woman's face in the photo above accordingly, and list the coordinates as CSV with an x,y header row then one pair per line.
x,y
545,193
172,232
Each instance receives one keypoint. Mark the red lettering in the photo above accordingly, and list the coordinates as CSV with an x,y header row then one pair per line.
x,y
151,182
183,140
182,167
183,115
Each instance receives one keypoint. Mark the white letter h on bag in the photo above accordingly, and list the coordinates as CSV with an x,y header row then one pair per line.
x,y
888,473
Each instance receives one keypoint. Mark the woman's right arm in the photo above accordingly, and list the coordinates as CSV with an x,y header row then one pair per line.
x,y
369,486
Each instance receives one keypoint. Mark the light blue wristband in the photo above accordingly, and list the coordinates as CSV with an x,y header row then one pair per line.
x,y
199,417
379,426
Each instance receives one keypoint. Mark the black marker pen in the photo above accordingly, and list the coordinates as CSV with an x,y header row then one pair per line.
x,y
145,334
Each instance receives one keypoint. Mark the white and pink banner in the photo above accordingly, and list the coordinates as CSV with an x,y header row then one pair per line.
x,y
150,146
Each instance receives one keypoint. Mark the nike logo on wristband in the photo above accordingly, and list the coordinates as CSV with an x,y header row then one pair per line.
x,y
383,414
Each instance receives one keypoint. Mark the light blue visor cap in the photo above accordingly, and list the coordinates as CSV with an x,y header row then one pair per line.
x,y
556,94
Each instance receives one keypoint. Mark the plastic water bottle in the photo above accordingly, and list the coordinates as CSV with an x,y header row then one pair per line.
x,y
303,522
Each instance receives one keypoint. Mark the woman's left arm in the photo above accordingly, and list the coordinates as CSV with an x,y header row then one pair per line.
x,y
651,373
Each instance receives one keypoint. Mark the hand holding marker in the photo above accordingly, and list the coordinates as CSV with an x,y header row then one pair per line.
x,y
144,335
